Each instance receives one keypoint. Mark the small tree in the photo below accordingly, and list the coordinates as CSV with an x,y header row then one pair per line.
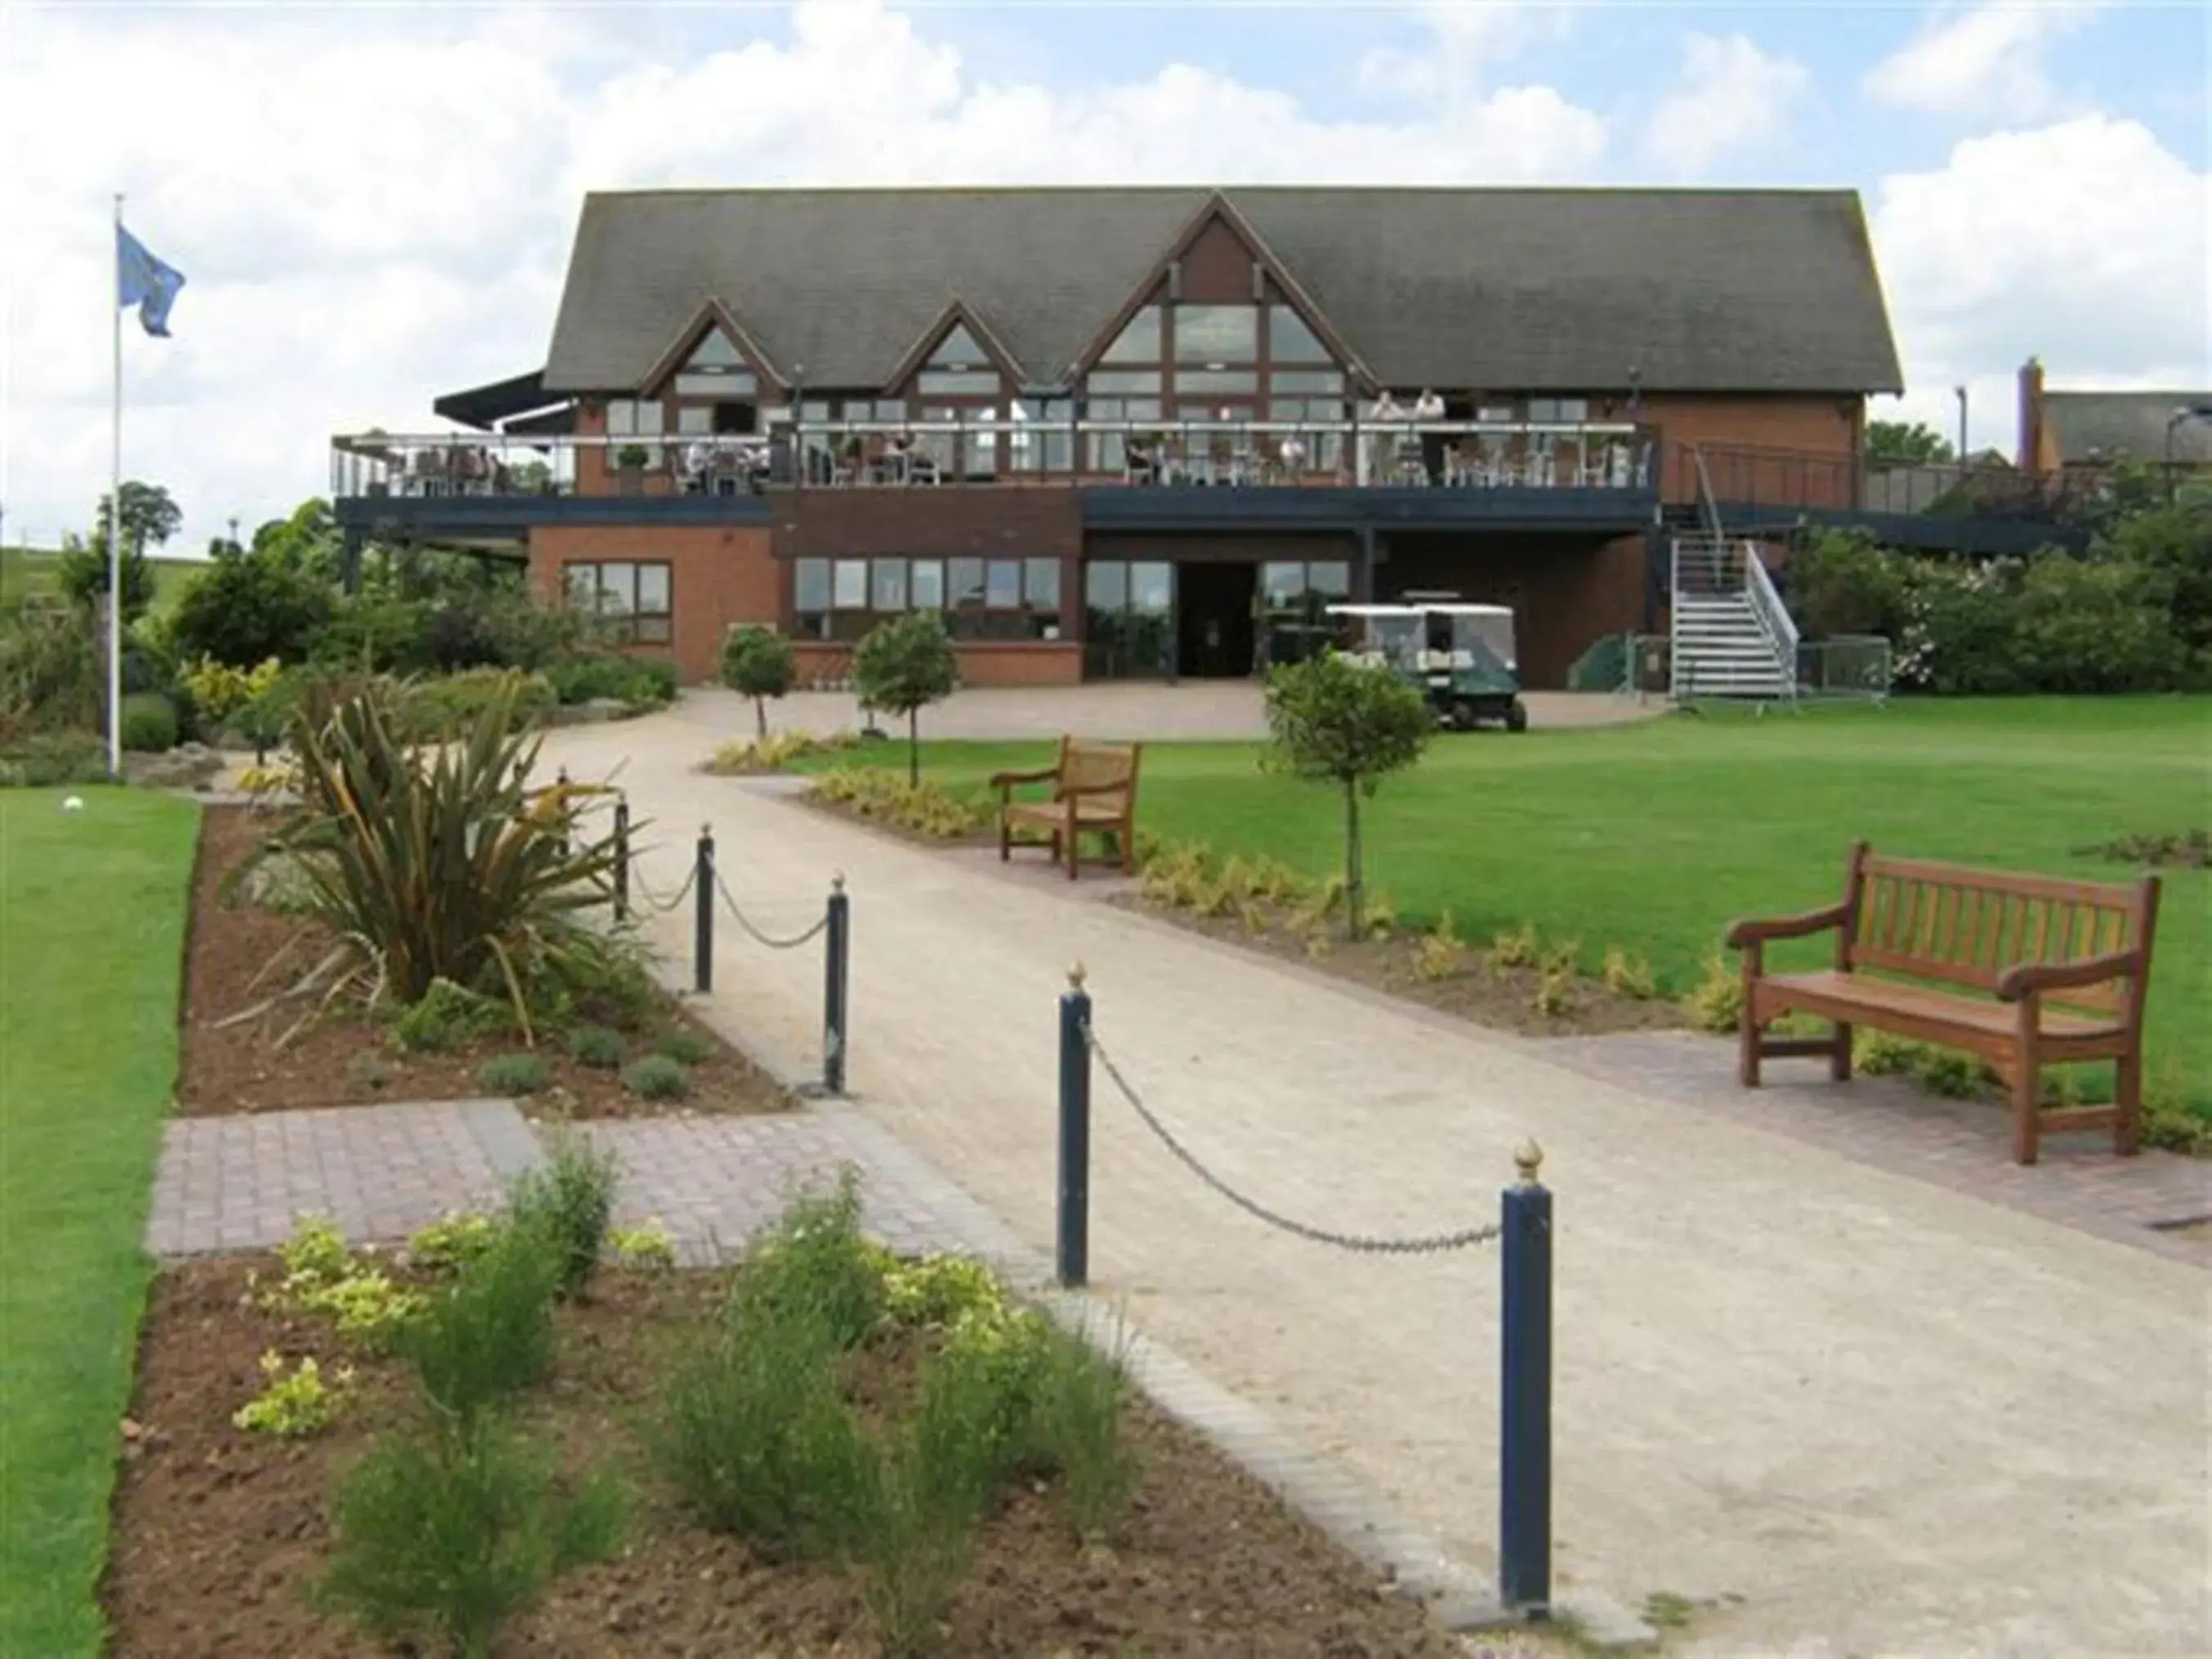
x,y
1902,443
1336,720
903,666
758,663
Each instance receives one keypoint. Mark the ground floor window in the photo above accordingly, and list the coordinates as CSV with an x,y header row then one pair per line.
x,y
982,598
634,599
1128,618
1295,595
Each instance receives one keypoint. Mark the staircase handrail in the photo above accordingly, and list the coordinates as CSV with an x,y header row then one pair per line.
x,y
1707,505
1774,618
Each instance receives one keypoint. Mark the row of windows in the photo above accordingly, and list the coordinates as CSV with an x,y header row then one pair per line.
x,y
634,599
982,598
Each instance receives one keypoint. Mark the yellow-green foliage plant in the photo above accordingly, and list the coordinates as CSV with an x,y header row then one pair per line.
x,y
1715,1002
1516,948
1628,975
293,1405
1441,952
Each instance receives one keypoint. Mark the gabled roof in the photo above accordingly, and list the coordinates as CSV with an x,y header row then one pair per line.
x,y
712,314
1503,289
955,315
2100,425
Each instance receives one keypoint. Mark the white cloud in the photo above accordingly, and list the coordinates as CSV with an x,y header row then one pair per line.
x,y
1462,46
2086,243
1988,56
1731,96
374,206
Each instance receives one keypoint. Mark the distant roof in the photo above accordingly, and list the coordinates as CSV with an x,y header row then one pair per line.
x,y
2110,423
1530,290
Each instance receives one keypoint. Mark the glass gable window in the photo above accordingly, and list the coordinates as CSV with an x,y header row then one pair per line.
x,y
1214,335
716,369
1289,339
959,367
1138,342
634,600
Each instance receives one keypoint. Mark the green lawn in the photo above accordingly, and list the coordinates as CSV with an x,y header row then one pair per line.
x,y
92,922
1653,836
35,570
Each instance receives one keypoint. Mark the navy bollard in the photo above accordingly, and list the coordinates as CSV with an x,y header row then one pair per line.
x,y
621,857
1524,1529
1073,1254
702,911
836,980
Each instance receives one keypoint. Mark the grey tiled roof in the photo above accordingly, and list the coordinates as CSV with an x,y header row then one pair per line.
x,y
2108,423
1496,289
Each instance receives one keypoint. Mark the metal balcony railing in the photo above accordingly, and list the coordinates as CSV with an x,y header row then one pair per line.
x,y
838,453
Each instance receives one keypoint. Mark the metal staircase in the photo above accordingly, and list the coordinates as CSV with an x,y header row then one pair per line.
x,y
1730,636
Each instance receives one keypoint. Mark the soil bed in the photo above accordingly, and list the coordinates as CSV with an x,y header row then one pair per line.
x,y
344,1058
218,1534
1504,997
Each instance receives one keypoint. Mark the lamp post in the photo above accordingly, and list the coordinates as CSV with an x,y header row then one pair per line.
x,y
2201,410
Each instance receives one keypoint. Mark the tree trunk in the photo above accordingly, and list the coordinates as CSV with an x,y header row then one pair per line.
x,y
760,714
913,747
1353,895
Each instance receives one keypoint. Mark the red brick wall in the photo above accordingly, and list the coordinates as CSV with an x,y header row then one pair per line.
x,y
995,662
717,574
1565,591
1815,441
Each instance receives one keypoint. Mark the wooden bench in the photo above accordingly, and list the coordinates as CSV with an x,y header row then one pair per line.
x,y
2050,971
1094,792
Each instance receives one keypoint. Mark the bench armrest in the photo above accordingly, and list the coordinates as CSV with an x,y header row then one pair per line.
x,y
1008,780
2023,979
1798,926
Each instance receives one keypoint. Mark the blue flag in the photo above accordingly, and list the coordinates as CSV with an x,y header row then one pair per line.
x,y
141,280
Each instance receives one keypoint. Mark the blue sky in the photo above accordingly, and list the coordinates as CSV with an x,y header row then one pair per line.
x,y
372,203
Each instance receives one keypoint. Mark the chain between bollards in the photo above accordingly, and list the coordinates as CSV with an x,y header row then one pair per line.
x,y
1524,1476
702,913
1072,1256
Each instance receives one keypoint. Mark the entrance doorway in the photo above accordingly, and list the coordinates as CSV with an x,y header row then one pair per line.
x,y
1213,620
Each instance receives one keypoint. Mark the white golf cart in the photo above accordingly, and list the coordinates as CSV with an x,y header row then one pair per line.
x,y
1461,655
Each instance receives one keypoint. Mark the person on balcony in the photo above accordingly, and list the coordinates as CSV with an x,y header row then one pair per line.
x,y
1426,407
1386,412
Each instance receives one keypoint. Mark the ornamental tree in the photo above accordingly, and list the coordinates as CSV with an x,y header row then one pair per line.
x,y
1334,719
758,663
902,666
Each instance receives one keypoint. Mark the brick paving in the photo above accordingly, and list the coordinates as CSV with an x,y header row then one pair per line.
x,y
1787,1373
378,1172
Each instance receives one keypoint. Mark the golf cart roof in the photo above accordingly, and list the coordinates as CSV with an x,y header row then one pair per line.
x,y
1420,609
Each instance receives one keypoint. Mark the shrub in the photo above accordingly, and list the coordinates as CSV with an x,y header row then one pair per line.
x,y
1555,989
657,1077
248,607
448,1245
219,689
924,809
1517,948
636,682
751,1433
321,1276
442,708
369,1071
487,1334
758,663
772,753
1627,975
149,723
1441,951
646,1246
597,1047
445,1539
1879,1054
1947,1072
316,1250
1079,1395
445,1017
513,1074
1715,1002
440,864
296,1405
2167,1120
568,1204
815,1256
685,1046
50,671
902,666
44,759
939,1290
1335,721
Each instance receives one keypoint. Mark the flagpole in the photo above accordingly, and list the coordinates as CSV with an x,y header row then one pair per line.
x,y
115,511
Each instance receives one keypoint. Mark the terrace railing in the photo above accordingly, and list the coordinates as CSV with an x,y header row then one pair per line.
x,y
836,453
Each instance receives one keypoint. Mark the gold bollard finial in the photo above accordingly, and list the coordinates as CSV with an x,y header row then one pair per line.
x,y
1075,977
1529,1160
837,882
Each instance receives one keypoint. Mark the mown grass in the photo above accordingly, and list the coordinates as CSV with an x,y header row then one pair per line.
x,y
36,569
1653,836
92,930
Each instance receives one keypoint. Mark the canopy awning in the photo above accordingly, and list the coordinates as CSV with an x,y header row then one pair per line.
x,y
485,406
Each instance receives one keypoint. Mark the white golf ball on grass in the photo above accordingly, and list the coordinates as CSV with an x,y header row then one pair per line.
x,y
72,803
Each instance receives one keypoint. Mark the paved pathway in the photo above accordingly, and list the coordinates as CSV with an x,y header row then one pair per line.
x,y
1888,1415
